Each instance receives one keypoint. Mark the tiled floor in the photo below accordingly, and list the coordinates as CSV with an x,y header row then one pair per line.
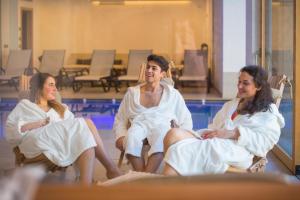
x,y
7,161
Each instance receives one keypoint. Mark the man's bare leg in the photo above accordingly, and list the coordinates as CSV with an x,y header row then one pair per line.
x,y
153,162
137,163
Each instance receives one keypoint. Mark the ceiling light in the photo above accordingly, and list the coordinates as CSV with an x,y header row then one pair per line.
x,y
170,2
140,2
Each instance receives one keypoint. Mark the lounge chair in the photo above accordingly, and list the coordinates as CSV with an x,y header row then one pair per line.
x,y
100,70
195,68
135,59
52,63
18,62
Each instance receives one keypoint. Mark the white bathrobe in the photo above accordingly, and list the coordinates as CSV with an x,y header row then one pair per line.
x,y
61,141
258,134
151,123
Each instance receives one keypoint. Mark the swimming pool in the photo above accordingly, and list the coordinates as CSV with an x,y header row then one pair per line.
x,y
102,112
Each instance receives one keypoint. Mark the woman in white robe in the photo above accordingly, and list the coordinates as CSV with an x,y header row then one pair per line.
x,y
149,109
247,126
48,127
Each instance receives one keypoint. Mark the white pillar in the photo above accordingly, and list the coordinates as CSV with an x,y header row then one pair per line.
x,y
234,44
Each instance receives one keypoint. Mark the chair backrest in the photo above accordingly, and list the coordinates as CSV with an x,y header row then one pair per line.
x,y
18,61
102,62
135,59
195,63
52,61
277,83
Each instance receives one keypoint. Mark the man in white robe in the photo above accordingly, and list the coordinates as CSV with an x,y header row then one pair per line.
x,y
146,112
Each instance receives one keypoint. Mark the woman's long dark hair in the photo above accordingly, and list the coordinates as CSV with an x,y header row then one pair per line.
x,y
263,97
36,87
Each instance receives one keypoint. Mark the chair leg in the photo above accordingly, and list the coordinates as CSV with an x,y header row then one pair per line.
x,y
15,84
121,158
117,85
103,84
77,86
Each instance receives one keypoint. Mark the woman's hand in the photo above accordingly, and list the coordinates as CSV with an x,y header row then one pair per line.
x,y
33,125
222,133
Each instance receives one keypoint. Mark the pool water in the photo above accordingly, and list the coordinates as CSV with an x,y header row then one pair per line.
x,y
102,113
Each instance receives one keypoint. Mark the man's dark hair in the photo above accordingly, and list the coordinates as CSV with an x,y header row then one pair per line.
x,y
160,61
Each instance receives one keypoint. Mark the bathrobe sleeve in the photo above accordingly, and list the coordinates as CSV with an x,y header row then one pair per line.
x,y
261,133
23,113
223,114
121,119
183,114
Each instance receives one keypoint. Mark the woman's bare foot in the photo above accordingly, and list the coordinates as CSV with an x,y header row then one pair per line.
x,y
113,173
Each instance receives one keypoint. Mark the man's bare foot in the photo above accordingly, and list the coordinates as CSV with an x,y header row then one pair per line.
x,y
113,173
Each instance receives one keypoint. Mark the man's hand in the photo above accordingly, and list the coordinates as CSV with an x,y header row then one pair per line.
x,y
119,143
173,124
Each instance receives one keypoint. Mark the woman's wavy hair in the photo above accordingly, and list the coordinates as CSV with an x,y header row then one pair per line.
x,y
263,97
36,87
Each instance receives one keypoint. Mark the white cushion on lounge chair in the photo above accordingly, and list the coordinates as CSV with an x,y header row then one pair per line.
x,y
128,78
101,64
17,61
52,61
90,77
135,60
192,78
7,77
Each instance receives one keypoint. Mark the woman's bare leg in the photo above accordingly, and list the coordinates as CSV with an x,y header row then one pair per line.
x,y
175,135
153,162
85,163
137,163
169,171
112,169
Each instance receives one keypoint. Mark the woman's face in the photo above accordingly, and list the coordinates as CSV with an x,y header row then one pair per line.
x,y
49,89
153,72
246,86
